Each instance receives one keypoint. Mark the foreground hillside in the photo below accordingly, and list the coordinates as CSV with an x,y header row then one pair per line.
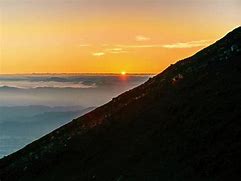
x,y
183,124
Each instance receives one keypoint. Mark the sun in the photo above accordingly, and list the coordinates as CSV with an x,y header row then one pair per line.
x,y
123,73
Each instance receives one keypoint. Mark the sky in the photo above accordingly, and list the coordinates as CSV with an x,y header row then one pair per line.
x,y
108,36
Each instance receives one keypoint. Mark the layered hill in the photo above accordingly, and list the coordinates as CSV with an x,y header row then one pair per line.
x,y
183,124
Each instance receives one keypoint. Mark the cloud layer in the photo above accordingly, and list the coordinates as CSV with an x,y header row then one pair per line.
x,y
124,48
142,38
98,54
191,44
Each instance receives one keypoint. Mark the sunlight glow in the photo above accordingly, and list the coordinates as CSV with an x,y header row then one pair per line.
x,y
123,73
80,36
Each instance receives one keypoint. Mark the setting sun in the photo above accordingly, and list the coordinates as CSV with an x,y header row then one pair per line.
x,y
123,73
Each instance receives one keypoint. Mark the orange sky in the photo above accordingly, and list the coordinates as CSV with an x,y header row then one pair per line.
x,y
108,36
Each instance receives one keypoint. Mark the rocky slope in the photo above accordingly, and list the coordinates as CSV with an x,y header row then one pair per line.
x,y
183,124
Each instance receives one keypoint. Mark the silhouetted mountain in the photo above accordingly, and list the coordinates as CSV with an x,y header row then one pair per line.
x,y
183,124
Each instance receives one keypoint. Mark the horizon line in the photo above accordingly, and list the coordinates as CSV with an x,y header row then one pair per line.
x,y
78,73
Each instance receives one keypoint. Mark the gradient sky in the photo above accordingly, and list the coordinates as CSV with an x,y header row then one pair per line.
x,y
108,36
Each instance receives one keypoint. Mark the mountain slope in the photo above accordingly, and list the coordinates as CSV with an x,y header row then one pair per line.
x,y
183,124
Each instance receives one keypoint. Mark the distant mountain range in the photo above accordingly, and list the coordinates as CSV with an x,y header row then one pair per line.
x,y
12,112
35,121
183,124
20,125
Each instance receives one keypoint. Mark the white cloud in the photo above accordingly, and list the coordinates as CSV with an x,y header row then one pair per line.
x,y
142,38
115,50
123,48
44,84
141,46
98,54
191,44
118,52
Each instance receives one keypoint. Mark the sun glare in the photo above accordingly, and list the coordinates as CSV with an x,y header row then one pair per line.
x,y
123,73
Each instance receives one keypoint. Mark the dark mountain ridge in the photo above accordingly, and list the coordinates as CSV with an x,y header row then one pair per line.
x,y
183,124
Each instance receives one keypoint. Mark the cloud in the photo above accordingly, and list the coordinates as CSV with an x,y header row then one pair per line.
x,y
98,54
115,50
118,52
142,38
191,44
141,46
45,84
123,48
